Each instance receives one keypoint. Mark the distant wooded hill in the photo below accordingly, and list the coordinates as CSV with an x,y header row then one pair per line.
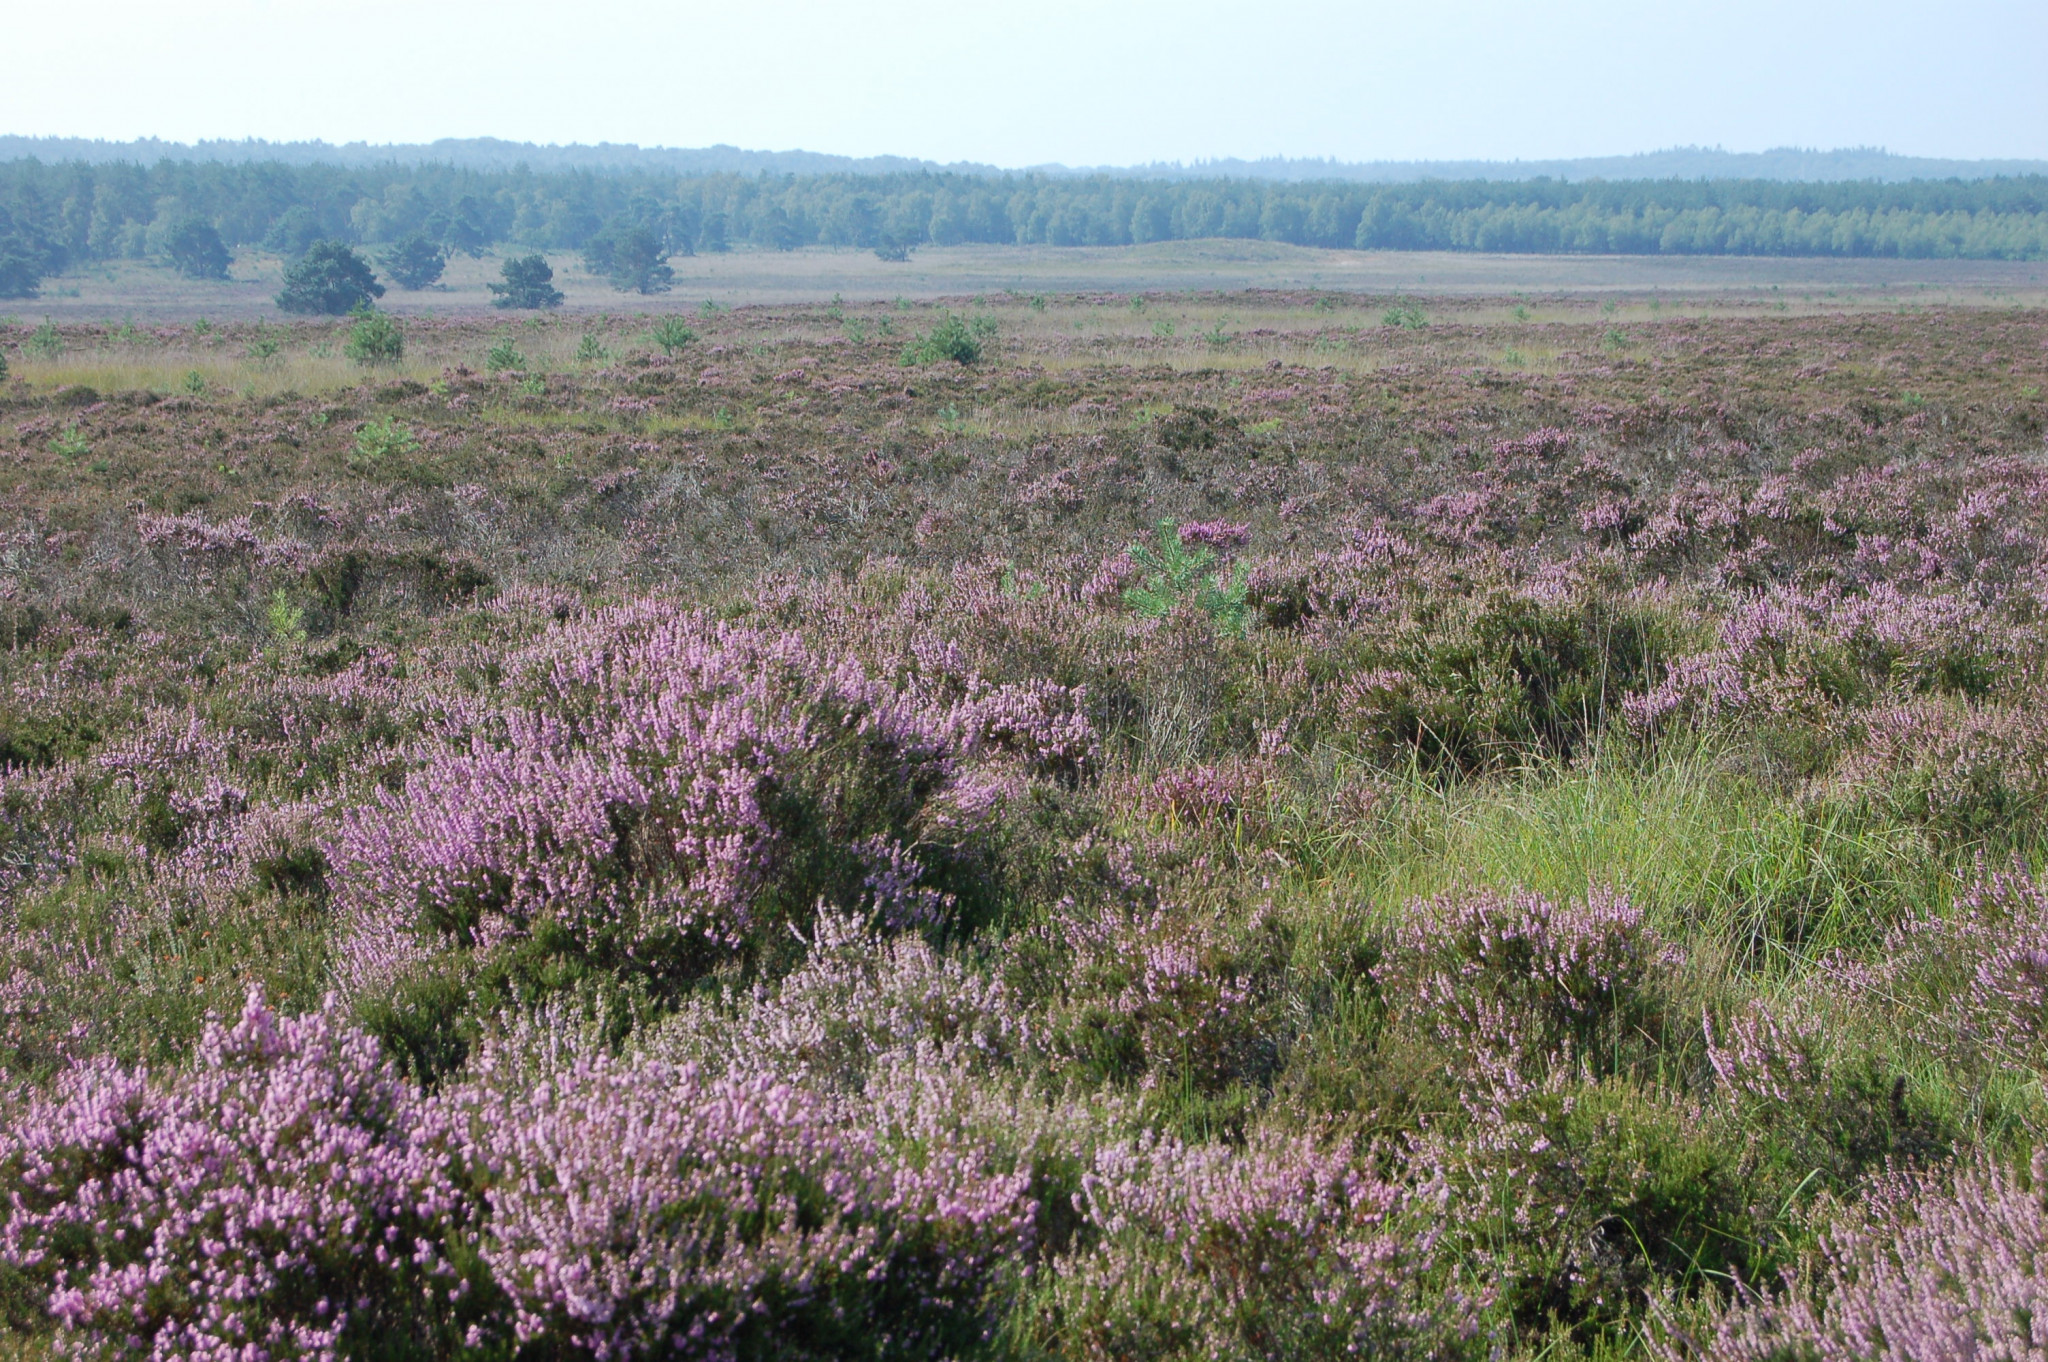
x,y
490,153
53,214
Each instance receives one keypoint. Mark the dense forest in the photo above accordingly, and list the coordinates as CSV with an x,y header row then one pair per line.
x,y
54,216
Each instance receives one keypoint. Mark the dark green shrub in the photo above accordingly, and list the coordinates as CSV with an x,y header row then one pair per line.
x,y
1191,428
331,279
529,283
1176,571
503,355
1469,684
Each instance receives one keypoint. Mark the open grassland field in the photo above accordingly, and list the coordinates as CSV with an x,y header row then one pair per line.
x,y
117,290
1276,824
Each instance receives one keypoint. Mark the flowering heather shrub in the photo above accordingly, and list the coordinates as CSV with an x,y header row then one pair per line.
x,y
283,1199
1214,534
644,1209
1791,652
1964,772
1570,1186
1574,1200
1760,1056
1278,1249
1468,684
1931,1266
1200,795
855,998
1971,982
1168,996
1517,975
673,786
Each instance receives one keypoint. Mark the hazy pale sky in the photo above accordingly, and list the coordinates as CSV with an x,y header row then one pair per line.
x,y
1110,82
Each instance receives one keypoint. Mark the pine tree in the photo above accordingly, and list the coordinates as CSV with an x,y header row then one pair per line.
x,y
415,263
331,279
529,283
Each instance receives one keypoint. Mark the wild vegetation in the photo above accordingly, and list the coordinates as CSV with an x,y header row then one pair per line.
x,y
57,216
877,831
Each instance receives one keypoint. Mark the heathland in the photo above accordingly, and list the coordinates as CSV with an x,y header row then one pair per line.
x,y
1267,824
61,216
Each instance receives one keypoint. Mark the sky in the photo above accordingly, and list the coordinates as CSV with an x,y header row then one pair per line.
x,y
1081,82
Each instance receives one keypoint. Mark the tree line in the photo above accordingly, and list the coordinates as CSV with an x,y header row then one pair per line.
x,y
53,216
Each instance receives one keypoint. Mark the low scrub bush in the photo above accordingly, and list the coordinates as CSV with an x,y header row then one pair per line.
x,y
1176,570
673,335
1931,1265
1498,677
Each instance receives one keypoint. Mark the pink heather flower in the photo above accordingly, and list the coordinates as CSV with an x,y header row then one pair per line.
x,y
259,1206
658,777
642,1209
1939,1266
1215,534
1277,1248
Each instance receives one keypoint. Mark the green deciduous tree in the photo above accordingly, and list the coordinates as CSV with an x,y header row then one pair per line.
x,y
294,233
330,279
529,283
632,256
196,251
